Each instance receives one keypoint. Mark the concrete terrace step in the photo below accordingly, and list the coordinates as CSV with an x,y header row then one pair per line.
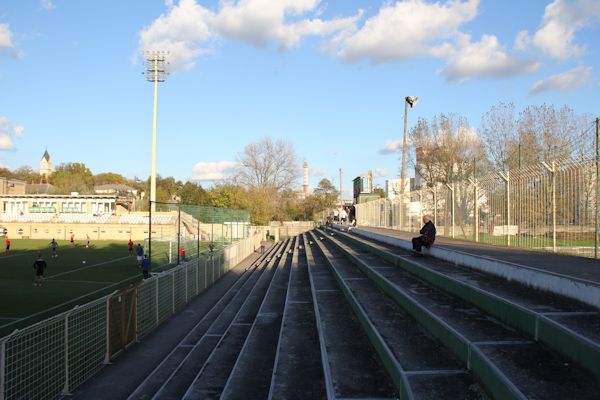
x,y
566,325
503,359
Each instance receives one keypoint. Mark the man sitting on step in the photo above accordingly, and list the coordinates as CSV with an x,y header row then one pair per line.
x,y
427,235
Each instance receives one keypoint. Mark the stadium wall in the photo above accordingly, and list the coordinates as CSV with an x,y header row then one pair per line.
x,y
29,230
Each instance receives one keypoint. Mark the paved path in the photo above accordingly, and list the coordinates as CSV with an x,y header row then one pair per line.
x,y
577,267
124,374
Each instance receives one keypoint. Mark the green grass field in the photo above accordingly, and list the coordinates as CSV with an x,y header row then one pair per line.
x,y
68,280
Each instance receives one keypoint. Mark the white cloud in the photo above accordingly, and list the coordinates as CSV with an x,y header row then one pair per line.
x,y
211,171
487,58
391,146
185,28
380,173
5,37
314,171
47,4
522,41
260,22
182,31
561,20
19,130
8,132
6,142
407,29
569,80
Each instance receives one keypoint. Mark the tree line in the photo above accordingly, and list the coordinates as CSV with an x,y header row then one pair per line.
x,y
264,184
447,148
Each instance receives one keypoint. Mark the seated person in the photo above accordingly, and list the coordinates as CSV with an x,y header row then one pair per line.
x,y
427,235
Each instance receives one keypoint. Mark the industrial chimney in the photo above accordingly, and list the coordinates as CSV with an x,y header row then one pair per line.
x,y
305,185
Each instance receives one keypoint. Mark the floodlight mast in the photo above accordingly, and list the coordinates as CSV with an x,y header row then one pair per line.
x,y
156,71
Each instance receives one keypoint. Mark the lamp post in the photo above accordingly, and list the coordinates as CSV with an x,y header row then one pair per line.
x,y
408,101
156,71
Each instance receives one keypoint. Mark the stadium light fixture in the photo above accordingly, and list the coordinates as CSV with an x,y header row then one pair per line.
x,y
156,71
412,102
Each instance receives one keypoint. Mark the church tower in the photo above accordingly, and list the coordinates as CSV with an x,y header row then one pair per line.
x,y
46,165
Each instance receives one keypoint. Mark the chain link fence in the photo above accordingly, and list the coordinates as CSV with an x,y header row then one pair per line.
x,y
550,206
52,357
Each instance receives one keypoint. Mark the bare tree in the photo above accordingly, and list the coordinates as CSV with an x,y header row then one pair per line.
x,y
268,165
499,130
447,148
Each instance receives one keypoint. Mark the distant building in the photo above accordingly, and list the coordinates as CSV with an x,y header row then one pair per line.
x,y
46,168
38,188
393,187
11,186
362,189
115,188
53,204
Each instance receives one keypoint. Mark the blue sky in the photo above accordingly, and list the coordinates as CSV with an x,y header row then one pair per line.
x,y
330,76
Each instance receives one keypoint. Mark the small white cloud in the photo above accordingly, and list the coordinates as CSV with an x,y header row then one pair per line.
x,y
380,173
561,21
566,81
6,142
19,130
407,29
212,171
47,4
314,171
522,41
5,37
487,58
8,133
391,146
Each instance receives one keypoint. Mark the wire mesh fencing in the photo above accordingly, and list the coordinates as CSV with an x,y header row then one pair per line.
x,y
198,230
52,357
550,206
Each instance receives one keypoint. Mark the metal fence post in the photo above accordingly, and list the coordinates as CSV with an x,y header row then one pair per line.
x,y
597,212
451,188
435,205
2,367
107,356
156,290
65,390
552,170
507,191
475,211
173,292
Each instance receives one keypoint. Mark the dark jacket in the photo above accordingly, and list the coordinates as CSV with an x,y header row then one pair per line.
x,y
428,232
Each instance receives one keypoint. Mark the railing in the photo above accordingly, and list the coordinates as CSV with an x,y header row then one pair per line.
x,y
54,356
551,206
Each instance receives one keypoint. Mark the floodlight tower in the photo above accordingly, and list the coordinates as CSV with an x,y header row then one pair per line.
x,y
412,101
156,71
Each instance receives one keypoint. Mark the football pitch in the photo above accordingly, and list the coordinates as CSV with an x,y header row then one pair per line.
x,y
76,276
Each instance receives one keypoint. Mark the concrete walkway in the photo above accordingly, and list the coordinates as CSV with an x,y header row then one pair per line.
x,y
119,379
582,268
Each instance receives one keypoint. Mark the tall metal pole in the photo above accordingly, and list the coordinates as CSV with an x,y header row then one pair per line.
x,y
153,171
341,195
156,71
178,232
596,240
150,232
403,170
553,206
508,208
